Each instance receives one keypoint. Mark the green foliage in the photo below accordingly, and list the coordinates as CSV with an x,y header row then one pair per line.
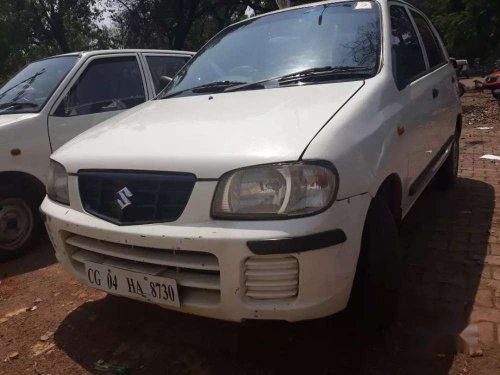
x,y
186,24
469,28
30,29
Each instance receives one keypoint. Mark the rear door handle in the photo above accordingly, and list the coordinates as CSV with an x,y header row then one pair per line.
x,y
435,93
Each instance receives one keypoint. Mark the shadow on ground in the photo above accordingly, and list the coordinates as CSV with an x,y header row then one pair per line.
x,y
40,257
444,239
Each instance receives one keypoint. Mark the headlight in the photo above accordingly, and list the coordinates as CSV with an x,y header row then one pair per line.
x,y
57,183
276,191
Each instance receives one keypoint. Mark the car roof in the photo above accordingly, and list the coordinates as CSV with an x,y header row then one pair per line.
x,y
324,3
321,3
115,51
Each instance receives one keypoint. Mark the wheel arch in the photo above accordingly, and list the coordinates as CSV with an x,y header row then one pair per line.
x,y
25,181
391,191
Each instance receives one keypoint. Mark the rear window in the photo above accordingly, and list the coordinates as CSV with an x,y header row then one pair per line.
x,y
408,58
434,51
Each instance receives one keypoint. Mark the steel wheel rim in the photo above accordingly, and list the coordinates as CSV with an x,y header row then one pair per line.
x,y
16,223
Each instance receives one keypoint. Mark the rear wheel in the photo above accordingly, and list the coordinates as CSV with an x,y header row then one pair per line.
x,y
447,174
374,297
19,222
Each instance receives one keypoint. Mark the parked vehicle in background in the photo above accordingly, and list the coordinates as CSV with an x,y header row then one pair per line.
x,y
462,68
492,82
51,101
268,180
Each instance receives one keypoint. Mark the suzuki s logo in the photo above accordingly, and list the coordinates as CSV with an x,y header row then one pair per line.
x,y
123,198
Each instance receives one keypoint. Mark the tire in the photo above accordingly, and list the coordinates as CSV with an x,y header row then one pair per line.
x,y
446,177
461,89
375,294
19,222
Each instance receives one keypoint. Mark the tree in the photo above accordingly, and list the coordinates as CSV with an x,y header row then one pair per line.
x,y
469,28
177,24
30,29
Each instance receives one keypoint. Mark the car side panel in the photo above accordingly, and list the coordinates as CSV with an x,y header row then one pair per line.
x,y
28,136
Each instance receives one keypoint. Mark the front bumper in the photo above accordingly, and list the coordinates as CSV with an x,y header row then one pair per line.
x,y
218,275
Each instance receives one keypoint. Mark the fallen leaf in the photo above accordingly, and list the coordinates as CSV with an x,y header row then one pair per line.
x,y
32,308
47,336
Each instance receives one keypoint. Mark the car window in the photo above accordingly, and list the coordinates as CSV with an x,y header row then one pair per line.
x,y
167,66
408,58
434,52
106,85
29,90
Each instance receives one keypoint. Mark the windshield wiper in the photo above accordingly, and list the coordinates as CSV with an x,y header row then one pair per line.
x,y
29,79
326,72
11,105
308,74
212,87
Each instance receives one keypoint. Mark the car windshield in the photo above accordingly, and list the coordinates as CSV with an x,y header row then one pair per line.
x,y
306,45
30,89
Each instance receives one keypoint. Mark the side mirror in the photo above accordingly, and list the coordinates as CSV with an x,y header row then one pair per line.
x,y
454,62
164,80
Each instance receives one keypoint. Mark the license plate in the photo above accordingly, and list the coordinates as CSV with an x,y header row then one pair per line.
x,y
154,289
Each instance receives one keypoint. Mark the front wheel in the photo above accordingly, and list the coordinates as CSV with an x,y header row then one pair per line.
x,y
19,223
374,297
448,173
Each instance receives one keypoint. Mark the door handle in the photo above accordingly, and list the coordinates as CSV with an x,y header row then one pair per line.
x,y
435,93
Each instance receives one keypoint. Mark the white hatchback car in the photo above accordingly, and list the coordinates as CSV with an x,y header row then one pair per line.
x,y
51,101
267,181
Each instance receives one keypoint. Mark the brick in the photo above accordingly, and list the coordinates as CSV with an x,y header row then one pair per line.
x,y
492,260
496,273
486,273
494,249
468,341
484,297
486,332
483,314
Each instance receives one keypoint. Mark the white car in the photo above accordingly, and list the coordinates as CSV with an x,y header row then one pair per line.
x,y
51,101
269,178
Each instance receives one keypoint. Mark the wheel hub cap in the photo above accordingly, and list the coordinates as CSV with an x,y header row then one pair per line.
x,y
16,223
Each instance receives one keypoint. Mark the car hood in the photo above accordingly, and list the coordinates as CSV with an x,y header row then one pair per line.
x,y
209,135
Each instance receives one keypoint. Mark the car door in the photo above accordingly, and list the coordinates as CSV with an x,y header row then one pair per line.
x,y
105,86
442,78
415,102
163,65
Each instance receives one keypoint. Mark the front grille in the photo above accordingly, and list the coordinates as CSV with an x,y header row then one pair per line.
x,y
272,278
197,273
126,198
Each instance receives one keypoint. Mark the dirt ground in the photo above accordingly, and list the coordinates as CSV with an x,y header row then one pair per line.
x,y
50,324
